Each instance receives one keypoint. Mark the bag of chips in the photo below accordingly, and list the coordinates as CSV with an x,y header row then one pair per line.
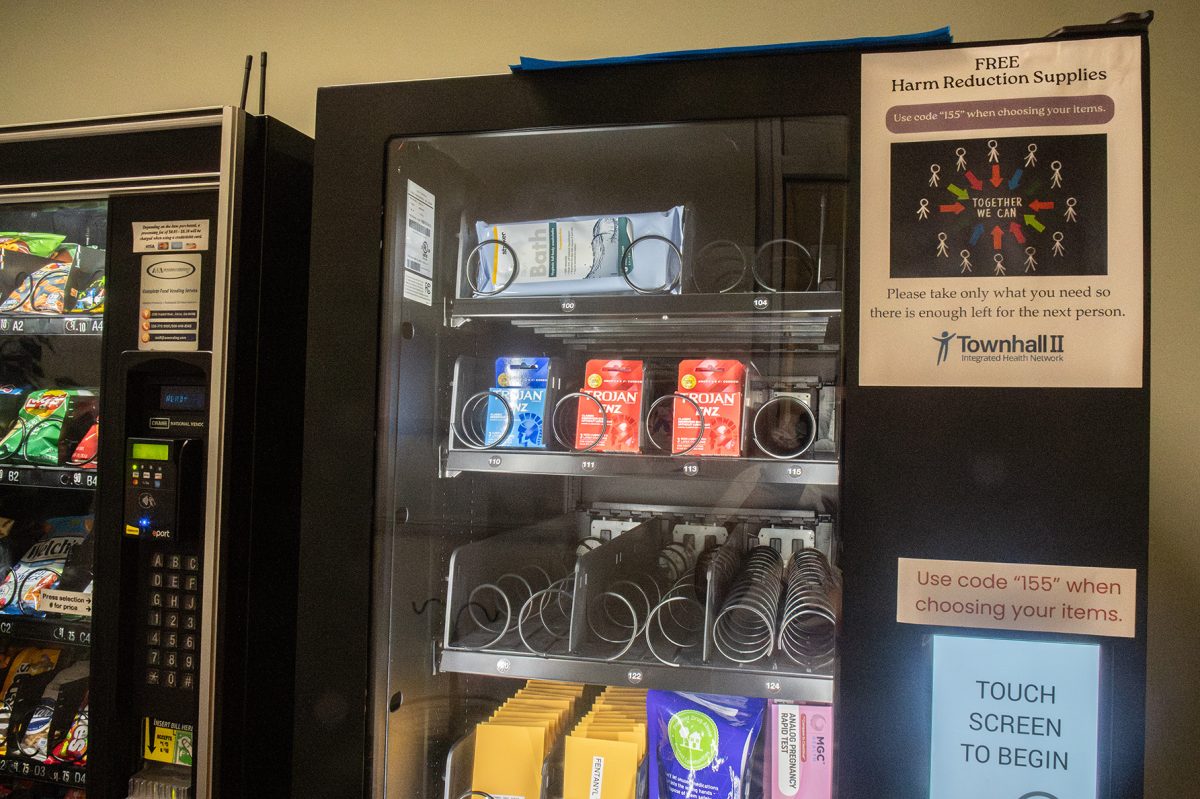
x,y
701,743
46,425
56,699
90,299
29,664
43,292
39,244
42,565
84,456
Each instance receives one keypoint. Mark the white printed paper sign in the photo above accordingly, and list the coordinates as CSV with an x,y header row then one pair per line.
x,y
169,312
418,245
178,235
1002,216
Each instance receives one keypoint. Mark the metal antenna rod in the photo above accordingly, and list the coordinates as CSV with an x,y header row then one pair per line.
x,y
246,81
262,83
821,239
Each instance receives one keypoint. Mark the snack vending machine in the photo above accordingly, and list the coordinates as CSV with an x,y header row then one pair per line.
x,y
149,265
582,423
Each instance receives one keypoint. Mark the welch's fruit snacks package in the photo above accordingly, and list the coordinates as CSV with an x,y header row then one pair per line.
x,y
700,744
41,567
799,760
525,384
579,254
49,420
614,425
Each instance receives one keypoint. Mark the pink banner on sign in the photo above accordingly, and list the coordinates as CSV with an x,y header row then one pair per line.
x,y
1017,112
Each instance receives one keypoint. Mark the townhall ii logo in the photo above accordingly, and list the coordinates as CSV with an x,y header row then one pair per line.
x,y
1042,347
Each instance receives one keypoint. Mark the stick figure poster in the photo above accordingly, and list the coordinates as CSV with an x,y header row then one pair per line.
x,y
1000,207
1002,216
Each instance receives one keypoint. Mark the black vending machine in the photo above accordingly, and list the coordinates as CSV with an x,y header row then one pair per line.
x,y
761,426
153,273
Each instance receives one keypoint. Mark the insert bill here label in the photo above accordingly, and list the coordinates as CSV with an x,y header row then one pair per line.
x,y
1079,600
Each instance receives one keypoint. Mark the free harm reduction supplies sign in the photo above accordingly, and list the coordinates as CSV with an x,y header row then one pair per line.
x,y
1002,219
1014,719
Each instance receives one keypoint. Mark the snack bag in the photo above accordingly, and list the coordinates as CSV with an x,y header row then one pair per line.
x,y
90,299
45,291
29,663
718,387
700,744
72,749
42,245
36,435
618,386
42,565
35,740
84,456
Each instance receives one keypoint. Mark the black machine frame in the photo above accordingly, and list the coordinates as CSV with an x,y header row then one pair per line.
x,y
906,490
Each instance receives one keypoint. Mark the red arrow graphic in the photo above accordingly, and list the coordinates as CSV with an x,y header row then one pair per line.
x,y
1015,229
1040,205
997,234
975,182
956,208
996,179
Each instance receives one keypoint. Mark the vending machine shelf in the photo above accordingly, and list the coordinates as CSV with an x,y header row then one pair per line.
x,y
59,632
812,685
53,773
583,464
795,319
75,324
48,476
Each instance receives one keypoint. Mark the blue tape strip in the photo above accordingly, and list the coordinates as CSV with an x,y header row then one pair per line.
x,y
939,36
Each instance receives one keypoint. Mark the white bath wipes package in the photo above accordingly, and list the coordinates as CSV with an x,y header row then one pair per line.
x,y
580,255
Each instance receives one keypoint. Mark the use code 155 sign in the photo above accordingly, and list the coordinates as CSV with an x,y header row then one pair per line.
x,y
1017,596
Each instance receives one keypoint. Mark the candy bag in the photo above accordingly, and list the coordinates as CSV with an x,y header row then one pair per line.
x,y
701,743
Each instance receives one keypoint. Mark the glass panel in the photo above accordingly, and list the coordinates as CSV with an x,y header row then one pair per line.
x,y
52,292
611,449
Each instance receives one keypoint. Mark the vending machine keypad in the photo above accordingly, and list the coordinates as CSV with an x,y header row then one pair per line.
x,y
172,623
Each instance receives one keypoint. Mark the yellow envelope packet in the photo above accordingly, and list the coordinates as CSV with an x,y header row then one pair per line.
x,y
508,759
599,769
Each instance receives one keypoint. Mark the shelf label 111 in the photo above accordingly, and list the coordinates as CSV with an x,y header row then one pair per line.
x,y
1080,600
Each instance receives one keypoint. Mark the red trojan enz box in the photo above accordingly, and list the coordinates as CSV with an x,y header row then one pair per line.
x,y
719,388
618,386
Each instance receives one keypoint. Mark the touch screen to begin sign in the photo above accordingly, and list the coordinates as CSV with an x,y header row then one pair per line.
x,y
1014,719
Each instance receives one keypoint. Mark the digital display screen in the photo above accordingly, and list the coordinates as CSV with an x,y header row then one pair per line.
x,y
181,398
1014,719
151,452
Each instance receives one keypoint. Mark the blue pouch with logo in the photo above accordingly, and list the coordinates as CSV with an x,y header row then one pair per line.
x,y
524,384
700,744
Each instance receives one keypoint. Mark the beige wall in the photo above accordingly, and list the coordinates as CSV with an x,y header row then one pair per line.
x,y
73,58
